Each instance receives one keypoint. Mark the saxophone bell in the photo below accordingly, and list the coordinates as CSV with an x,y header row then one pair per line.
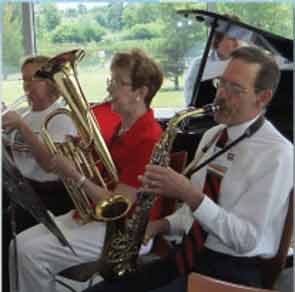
x,y
113,208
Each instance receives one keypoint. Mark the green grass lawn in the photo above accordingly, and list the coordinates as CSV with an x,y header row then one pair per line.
x,y
93,82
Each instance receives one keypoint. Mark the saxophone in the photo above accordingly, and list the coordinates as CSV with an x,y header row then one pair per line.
x,y
124,237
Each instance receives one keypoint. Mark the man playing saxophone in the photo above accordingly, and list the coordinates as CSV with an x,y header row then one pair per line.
x,y
240,199
135,79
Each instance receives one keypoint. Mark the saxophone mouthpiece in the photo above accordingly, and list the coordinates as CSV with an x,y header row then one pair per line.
x,y
211,108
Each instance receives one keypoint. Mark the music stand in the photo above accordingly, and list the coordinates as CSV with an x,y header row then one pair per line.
x,y
21,193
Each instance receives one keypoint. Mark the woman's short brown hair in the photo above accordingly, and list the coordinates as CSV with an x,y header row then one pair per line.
x,y
144,71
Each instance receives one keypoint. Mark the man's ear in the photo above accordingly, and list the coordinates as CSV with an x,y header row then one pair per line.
x,y
264,97
236,43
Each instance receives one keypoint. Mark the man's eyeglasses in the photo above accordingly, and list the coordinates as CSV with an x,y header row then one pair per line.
x,y
25,80
229,87
28,80
117,83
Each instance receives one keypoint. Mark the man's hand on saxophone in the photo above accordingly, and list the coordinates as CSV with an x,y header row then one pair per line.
x,y
167,182
155,228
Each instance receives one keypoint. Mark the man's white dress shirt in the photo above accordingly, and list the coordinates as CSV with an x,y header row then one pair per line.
x,y
253,200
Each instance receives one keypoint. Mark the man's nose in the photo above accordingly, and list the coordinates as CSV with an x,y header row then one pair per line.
x,y
27,84
26,87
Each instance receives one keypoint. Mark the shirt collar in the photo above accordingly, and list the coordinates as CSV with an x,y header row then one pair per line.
x,y
142,124
55,105
235,131
214,56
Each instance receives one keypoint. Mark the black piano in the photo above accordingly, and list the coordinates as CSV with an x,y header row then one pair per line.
x,y
279,112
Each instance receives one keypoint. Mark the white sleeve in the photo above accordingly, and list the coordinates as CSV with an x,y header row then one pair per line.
x,y
190,79
181,220
266,198
61,126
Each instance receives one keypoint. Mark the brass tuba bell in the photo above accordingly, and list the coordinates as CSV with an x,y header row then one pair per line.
x,y
91,149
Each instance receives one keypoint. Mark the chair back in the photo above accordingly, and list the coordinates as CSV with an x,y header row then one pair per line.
x,y
201,283
271,268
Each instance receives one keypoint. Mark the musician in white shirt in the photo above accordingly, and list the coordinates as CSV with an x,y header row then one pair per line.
x,y
42,97
222,46
247,221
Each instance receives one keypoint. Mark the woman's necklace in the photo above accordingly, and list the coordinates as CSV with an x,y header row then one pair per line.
x,y
122,130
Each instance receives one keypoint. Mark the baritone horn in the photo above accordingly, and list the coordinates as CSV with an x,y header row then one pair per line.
x,y
90,151
20,104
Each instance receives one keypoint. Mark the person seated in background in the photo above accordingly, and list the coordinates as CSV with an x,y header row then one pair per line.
x,y
240,199
222,46
135,80
42,98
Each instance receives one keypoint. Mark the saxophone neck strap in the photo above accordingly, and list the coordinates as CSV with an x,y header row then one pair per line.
x,y
251,130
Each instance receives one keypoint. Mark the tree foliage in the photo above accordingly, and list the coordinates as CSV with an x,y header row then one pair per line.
x,y
153,26
140,13
78,32
51,16
114,16
82,9
12,38
263,15
177,39
141,31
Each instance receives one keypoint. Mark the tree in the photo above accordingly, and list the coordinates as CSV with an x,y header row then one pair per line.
x,y
114,16
274,17
141,31
12,38
81,31
140,14
177,39
82,9
71,13
51,17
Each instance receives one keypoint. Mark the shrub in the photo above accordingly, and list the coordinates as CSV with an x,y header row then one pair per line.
x,y
140,31
78,32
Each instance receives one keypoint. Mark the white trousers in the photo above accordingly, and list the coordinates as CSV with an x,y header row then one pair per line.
x,y
41,256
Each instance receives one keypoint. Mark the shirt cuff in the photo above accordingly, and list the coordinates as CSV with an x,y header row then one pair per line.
x,y
207,212
172,223
180,221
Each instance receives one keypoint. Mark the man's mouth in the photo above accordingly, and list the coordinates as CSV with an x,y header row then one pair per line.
x,y
221,103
